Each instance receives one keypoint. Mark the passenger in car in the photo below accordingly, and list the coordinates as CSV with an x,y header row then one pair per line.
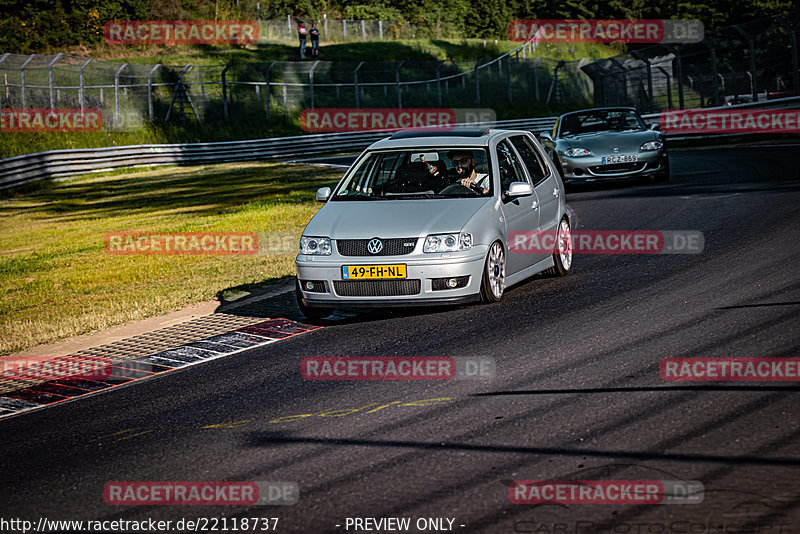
x,y
464,165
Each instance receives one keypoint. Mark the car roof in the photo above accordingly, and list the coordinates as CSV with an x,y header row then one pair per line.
x,y
449,139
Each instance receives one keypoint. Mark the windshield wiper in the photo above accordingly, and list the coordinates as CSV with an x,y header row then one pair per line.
x,y
356,196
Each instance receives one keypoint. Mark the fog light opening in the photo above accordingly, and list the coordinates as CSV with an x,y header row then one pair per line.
x,y
452,283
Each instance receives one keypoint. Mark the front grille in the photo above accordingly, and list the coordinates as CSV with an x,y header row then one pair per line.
x,y
376,288
617,168
391,247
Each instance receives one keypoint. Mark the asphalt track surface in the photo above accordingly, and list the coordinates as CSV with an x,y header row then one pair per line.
x,y
577,394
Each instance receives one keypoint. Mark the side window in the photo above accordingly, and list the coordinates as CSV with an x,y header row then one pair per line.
x,y
510,168
530,156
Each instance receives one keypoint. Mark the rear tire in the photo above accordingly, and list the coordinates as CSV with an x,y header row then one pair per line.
x,y
311,313
493,281
562,255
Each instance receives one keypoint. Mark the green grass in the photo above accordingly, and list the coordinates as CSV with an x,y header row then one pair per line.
x,y
57,281
402,49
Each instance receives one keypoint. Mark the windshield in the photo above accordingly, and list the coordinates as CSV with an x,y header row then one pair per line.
x,y
600,121
418,174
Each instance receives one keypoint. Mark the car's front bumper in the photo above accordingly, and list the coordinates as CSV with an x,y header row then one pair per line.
x,y
419,267
591,168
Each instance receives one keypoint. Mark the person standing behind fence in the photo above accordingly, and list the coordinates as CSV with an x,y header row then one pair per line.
x,y
314,34
302,32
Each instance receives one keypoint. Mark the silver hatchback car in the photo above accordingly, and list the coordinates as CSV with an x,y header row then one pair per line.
x,y
426,218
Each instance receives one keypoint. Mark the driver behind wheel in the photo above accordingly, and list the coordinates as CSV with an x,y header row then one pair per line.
x,y
464,165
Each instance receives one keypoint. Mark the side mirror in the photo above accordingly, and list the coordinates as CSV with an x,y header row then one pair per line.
x,y
323,194
655,126
518,189
546,135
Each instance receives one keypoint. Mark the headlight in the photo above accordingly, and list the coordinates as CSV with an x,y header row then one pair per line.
x,y
315,245
652,145
577,152
447,242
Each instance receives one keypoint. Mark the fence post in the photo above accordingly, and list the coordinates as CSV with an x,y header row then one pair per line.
x,y
50,78
439,82
355,85
793,40
344,29
82,88
116,94
149,90
225,92
380,30
508,78
5,78
650,96
397,78
289,24
311,81
715,86
477,83
669,86
752,52
22,75
363,30
536,76
325,18
267,102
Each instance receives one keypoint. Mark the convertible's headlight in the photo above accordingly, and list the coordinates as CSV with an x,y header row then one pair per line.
x,y
447,242
577,152
652,145
315,245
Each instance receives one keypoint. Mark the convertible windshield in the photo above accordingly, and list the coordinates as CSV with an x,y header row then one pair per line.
x,y
423,173
600,121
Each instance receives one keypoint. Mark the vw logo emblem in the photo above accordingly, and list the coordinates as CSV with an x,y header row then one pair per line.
x,y
616,149
374,246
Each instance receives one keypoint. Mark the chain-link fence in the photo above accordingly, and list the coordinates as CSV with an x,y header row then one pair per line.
x,y
335,30
744,63
132,94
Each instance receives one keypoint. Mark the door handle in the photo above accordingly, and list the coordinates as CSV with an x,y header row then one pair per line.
x,y
555,192
535,205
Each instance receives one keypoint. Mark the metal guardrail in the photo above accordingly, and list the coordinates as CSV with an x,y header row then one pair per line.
x,y
24,169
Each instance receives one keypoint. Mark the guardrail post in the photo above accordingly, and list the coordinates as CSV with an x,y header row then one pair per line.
x,y
267,102
399,88
116,94
149,91
477,83
355,85
50,78
225,88
311,81
22,76
439,82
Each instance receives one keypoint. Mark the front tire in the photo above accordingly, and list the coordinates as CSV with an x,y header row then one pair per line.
x,y
562,255
311,313
493,282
